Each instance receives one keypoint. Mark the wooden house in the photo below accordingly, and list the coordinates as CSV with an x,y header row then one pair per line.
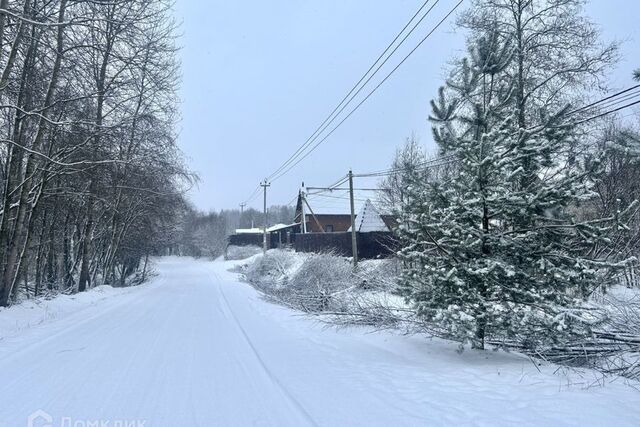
x,y
335,217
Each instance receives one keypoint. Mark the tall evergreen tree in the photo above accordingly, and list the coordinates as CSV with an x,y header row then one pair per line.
x,y
496,250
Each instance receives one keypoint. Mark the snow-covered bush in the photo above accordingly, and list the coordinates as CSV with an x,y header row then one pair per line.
x,y
318,283
241,252
378,274
309,282
321,283
271,270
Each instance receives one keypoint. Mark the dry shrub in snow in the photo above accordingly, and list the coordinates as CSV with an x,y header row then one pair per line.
x,y
378,274
613,347
326,283
271,270
318,283
309,282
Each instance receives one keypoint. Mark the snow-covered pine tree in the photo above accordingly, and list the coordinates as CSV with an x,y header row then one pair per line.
x,y
495,250
446,250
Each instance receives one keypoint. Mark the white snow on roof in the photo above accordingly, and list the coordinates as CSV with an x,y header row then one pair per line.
x,y
279,227
248,230
369,219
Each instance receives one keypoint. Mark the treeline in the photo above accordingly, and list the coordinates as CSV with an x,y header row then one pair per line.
x,y
533,205
92,179
205,234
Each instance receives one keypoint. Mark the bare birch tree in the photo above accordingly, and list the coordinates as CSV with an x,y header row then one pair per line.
x,y
92,176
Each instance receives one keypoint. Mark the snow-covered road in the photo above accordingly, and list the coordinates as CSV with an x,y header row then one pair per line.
x,y
195,347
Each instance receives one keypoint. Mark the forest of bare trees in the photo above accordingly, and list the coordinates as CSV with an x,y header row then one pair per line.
x,y
91,175
205,234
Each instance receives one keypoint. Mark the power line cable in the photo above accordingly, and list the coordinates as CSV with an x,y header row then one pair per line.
x,y
253,195
295,198
609,101
619,101
340,181
606,113
365,76
321,190
440,161
313,148
339,109
332,116
607,98
339,197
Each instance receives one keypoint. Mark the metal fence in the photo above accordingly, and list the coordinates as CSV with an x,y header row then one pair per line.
x,y
248,239
371,245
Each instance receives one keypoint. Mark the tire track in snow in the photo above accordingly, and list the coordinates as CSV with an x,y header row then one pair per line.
x,y
285,392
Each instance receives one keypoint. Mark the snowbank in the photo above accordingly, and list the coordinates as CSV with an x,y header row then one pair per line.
x,y
35,312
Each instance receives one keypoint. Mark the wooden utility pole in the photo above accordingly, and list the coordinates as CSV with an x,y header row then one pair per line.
x,y
303,215
354,241
264,186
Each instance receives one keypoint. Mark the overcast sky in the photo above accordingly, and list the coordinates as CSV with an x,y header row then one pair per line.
x,y
260,76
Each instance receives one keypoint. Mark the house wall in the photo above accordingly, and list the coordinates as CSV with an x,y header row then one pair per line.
x,y
339,222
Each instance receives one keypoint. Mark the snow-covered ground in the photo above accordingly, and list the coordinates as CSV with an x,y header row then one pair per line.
x,y
196,347
34,312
